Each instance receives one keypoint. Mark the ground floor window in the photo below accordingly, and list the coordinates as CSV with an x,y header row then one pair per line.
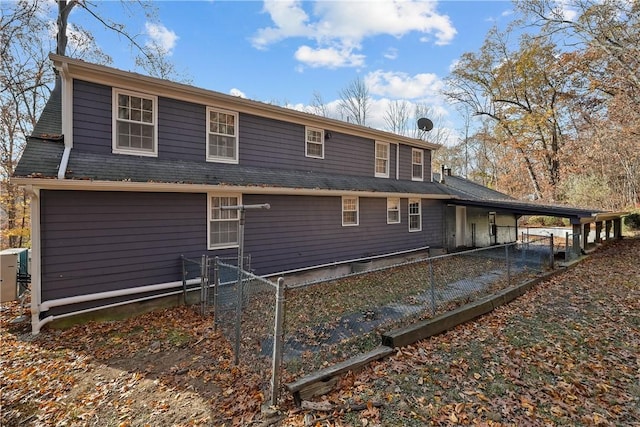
x,y
393,210
223,224
349,211
415,215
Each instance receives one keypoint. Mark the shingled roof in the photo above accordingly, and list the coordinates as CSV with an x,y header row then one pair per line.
x,y
101,167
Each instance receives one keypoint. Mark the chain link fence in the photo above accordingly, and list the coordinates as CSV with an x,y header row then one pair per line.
x,y
329,320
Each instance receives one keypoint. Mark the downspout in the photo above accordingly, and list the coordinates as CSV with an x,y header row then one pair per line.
x,y
35,258
67,117
62,170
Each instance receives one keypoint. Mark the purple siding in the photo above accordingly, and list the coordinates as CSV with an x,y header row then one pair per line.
x,y
102,241
92,115
264,142
303,231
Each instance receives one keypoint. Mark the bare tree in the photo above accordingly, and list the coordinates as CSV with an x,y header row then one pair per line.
x,y
318,106
397,116
355,101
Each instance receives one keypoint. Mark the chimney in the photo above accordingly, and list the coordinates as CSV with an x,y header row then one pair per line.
x,y
443,168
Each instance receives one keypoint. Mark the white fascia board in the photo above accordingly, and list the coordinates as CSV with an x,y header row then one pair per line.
x,y
133,81
89,185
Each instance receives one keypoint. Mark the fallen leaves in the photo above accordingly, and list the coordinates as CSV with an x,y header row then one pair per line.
x,y
566,353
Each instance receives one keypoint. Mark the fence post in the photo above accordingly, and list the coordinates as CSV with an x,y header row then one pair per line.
x,y
433,287
551,257
278,335
216,287
184,281
506,251
203,284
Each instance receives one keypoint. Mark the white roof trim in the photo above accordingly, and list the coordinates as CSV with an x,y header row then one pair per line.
x,y
90,185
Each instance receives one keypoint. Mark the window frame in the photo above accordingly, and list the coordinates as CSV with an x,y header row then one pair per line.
x,y
389,210
413,164
307,142
210,219
411,201
356,210
115,92
386,159
219,159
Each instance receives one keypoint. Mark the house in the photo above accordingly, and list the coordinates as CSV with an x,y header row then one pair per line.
x,y
127,173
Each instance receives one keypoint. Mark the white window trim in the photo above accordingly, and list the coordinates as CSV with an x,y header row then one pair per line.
x,y
388,160
218,159
209,220
399,214
419,201
114,123
307,142
421,178
357,211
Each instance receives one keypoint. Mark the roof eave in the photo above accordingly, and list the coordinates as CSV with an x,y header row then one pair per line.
x,y
96,185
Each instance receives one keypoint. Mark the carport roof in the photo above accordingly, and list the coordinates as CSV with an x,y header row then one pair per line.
x,y
517,207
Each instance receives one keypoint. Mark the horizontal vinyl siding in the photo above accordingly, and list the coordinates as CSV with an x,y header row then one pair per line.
x,y
181,130
92,115
102,241
277,144
300,232
95,242
263,142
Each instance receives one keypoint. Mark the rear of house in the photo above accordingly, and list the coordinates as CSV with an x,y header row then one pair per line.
x,y
127,173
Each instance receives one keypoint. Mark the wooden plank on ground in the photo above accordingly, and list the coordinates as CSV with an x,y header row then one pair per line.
x,y
320,382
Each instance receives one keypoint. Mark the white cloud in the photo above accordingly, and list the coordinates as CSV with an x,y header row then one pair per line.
x,y
161,37
237,92
566,9
398,85
391,53
329,57
340,26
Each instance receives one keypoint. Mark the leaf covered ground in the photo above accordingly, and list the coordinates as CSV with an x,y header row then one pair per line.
x,y
566,353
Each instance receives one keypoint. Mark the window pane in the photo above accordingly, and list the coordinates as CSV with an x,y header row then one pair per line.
x,y
349,217
314,150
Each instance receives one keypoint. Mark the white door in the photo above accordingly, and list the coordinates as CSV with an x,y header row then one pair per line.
x,y
461,225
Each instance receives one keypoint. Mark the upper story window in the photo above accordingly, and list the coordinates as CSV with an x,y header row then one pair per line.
x,y
393,210
223,224
135,124
382,160
350,215
415,215
222,136
314,143
417,164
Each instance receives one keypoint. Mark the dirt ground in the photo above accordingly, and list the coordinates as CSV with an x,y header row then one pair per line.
x,y
567,353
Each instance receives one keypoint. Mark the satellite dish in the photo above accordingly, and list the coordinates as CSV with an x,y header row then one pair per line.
x,y
425,124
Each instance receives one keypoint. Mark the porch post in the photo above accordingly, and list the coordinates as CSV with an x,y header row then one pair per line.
x,y
585,235
607,229
617,228
598,231
576,239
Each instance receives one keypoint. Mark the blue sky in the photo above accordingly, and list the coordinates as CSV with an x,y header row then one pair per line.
x,y
284,51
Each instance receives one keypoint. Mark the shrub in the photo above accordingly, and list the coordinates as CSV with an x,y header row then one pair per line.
x,y
632,221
